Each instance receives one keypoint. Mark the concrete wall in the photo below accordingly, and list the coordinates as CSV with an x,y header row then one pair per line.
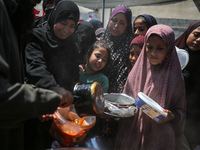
x,y
178,15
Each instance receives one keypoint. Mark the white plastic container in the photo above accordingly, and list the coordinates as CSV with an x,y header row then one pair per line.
x,y
150,107
183,57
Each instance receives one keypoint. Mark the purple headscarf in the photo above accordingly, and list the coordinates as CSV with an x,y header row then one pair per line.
x,y
118,68
139,40
127,12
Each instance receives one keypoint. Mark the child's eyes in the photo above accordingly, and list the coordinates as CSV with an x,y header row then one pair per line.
x,y
105,60
140,29
197,35
149,47
97,55
160,49
122,23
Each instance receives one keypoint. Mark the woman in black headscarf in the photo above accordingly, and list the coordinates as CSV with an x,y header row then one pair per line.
x,y
190,41
51,62
85,37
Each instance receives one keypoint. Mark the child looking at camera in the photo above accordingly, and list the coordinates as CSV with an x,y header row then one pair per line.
x,y
96,59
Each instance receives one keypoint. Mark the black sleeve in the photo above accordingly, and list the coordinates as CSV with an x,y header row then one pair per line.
x,y
36,70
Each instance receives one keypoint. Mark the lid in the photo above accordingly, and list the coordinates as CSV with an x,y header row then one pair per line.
x,y
119,105
151,103
119,98
183,57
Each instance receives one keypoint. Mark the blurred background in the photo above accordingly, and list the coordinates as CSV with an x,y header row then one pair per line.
x,y
178,14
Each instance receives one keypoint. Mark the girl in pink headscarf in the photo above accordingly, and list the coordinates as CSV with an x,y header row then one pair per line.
x,y
135,48
157,73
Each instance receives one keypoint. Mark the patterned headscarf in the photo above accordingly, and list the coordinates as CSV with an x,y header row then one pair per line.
x,y
163,83
118,67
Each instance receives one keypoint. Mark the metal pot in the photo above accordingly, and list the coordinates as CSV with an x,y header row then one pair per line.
x,y
88,99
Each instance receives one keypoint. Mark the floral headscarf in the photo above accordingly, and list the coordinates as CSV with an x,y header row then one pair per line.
x,y
118,68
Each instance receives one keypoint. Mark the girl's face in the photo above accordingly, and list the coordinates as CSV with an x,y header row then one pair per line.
x,y
134,53
64,29
140,28
97,60
193,40
117,25
156,49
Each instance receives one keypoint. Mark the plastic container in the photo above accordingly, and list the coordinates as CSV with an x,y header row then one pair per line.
x,y
67,132
183,57
150,107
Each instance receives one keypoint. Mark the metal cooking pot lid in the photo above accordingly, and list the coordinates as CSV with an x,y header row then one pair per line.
x,y
119,105
119,98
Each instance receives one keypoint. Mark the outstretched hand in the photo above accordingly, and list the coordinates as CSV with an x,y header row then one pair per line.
x,y
47,117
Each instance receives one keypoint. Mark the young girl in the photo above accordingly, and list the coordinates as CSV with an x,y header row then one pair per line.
x,y
96,60
157,73
135,48
142,23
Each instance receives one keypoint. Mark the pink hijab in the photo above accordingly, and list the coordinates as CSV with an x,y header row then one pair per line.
x,y
163,83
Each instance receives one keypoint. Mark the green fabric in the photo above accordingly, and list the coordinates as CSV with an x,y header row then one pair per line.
x,y
92,77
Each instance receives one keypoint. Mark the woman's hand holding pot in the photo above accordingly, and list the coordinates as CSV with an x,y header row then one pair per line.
x,y
66,97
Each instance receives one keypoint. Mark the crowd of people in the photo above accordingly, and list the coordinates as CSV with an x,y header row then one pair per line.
x,y
42,59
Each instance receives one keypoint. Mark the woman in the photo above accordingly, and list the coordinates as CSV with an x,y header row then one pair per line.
x,y
157,73
96,24
85,37
190,41
118,35
142,23
51,62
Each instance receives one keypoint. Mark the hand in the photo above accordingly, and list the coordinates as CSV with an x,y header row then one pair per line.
x,y
66,97
170,116
81,68
47,117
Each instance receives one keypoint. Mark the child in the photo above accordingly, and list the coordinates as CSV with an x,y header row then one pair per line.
x,y
135,48
157,73
142,23
96,59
